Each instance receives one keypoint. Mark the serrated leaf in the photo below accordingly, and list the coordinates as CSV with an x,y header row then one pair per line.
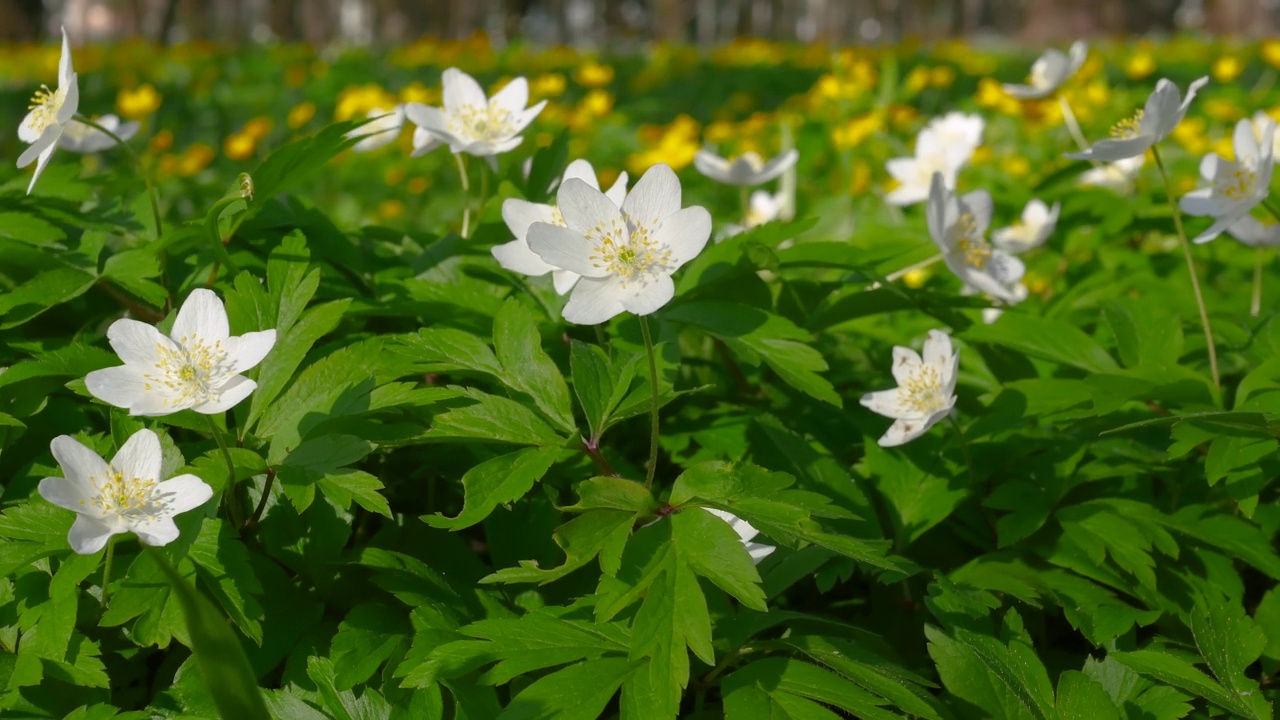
x,y
578,692
503,479
1053,340
526,366
493,418
224,565
581,539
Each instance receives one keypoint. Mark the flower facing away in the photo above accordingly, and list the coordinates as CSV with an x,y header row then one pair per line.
x,y
198,366
1260,120
958,226
925,392
1038,221
1134,136
125,495
473,124
626,254
939,149
1235,188
520,215
1255,233
747,169
746,532
383,129
1117,176
1050,71
51,111
81,138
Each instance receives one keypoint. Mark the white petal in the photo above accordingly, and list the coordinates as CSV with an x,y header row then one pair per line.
x,y
565,249
903,431
563,280
979,204
157,402
247,350
584,207
121,386
231,393
903,169
1218,227
523,119
593,301
139,457
137,343
777,166
646,298
65,70
460,90
88,535
581,170
685,234
937,351
887,403
655,196
65,493
424,141
941,212
70,103
79,464
183,493
905,362
1244,142
712,165
157,532
201,316
518,258
1200,202
42,161
426,117
758,551
1026,92
519,215
513,97
1111,150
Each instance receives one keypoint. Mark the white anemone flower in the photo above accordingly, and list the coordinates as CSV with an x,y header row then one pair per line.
x,y
1254,232
959,133
383,129
123,496
424,142
958,226
925,392
81,138
914,174
520,215
1117,176
1037,224
746,533
763,207
51,111
1134,136
1260,120
1236,188
197,366
472,123
1049,72
625,255
746,169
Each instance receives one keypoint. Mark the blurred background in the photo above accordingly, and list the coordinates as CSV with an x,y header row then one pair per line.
x,y
605,23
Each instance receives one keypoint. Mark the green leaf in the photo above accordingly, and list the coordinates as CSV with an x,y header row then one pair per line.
x,y
1053,340
493,418
613,492
297,161
547,166
526,367
578,692
1175,671
1003,680
792,685
347,485
713,550
370,634
592,383
223,564
1230,642
30,299
344,704
872,672
582,539
290,349
1080,697
502,479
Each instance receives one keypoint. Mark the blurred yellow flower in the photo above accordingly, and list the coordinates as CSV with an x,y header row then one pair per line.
x,y
390,209
257,128
917,79
295,76
1140,65
1224,148
593,75
675,145
1271,52
139,102
1016,166
902,116
991,95
167,165
195,158
357,100
547,85
418,185
916,278
1223,110
720,131
982,155
1036,283
1191,135
861,181
419,93
853,133
1227,68
239,146
394,175
161,141
598,103
942,76
301,114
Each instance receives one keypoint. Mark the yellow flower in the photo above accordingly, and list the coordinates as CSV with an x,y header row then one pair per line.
x,y
1271,52
1191,134
593,75
1016,165
1227,68
942,76
991,95
547,85
167,165
597,103
138,102
161,141
257,128
1140,65
1036,284
861,181
394,175
419,93
720,131
358,100
390,209
856,131
901,116
1222,110
917,79
982,155
301,114
239,146
194,159
916,278
418,185
1225,148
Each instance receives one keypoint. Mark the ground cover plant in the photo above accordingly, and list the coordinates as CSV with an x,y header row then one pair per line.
x,y
762,382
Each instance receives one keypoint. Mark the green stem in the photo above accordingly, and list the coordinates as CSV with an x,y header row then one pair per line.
x,y
893,276
252,522
964,445
744,201
1191,266
1255,303
1073,126
466,195
484,191
232,492
106,570
152,195
653,409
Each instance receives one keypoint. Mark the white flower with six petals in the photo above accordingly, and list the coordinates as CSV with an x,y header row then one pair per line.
x,y
746,169
958,226
472,123
51,111
1236,188
1037,224
925,392
1049,72
1165,108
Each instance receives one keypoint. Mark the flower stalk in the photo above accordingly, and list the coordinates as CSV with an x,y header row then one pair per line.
x,y
653,407
466,195
234,507
152,195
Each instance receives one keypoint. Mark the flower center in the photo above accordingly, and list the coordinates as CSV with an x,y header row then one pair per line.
x,y
922,391
1039,77
44,108
131,498
627,250
194,373
968,243
488,123
1128,127
753,160
1239,184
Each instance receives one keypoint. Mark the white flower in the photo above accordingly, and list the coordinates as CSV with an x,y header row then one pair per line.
x,y
198,366
747,169
746,533
1038,221
625,255
944,146
958,226
383,129
1117,176
123,496
80,138
1255,233
1260,120
992,314
51,111
1049,72
925,392
762,208
959,133
521,214
1237,187
424,142
1134,136
473,124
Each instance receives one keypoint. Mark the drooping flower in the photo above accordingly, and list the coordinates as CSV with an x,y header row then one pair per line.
x,y
746,533
81,138
383,129
1236,187
1117,176
197,366
625,255
473,124
520,215
958,226
1049,72
925,392
1133,137
125,495
1037,224
746,169
1255,233
51,111
944,146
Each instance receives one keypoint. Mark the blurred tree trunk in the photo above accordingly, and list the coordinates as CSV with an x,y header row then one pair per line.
x,y
670,19
282,18
1250,18
21,20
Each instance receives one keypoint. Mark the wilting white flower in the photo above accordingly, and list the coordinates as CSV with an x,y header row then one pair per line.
x,y
80,138
123,496
198,366
925,392
1037,224
944,146
1049,72
51,110
625,255
473,124
521,214
747,169
746,532
1255,233
383,129
1236,187
958,226
1132,137
1117,176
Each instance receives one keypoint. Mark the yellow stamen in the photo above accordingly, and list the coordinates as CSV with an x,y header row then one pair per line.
x,y
1128,127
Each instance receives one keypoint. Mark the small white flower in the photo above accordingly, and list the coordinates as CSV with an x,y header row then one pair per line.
x,y
1117,176
1255,233
625,255
80,138
383,129
1037,224
958,226
123,496
959,133
925,392
1237,187
746,533
943,147
198,366
747,169
1049,72
1260,120
51,111
1132,137
762,208
520,215
473,124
